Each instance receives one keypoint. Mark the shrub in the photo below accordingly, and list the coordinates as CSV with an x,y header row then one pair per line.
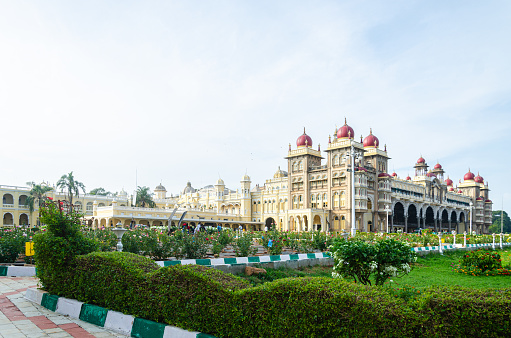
x,y
12,244
277,242
359,260
481,263
56,248
243,246
139,241
192,246
105,240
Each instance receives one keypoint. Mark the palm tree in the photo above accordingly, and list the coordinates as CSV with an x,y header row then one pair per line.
x,y
144,198
73,187
37,193
99,191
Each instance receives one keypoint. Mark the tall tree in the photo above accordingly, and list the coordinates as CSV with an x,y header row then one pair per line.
x,y
495,227
72,186
144,198
37,194
99,191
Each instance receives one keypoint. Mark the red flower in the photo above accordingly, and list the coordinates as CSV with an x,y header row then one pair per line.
x,y
51,199
207,239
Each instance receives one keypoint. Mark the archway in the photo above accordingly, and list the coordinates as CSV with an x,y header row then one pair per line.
x,y
412,222
399,214
8,199
291,224
270,223
430,218
454,221
23,219
8,220
305,221
316,223
22,201
445,220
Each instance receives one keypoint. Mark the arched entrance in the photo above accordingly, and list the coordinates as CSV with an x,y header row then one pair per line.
x,y
23,219
454,222
445,220
270,223
8,220
412,222
399,216
316,223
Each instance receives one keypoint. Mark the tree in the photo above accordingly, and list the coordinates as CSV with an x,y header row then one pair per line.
x,y
495,227
72,186
99,191
144,198
37,194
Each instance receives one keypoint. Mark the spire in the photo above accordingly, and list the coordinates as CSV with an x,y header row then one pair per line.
x,y
329,139
370,131
304,130
319,147
345,122
385,147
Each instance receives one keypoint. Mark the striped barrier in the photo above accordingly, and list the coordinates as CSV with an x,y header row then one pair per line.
x,y
112,320
22,271
246,260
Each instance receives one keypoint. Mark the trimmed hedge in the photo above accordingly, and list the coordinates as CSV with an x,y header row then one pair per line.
x,y
203,299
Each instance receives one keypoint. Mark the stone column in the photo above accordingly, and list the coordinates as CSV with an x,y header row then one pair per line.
x,y
406,222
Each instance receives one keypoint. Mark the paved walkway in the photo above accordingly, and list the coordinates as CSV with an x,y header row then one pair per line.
x,y
22,318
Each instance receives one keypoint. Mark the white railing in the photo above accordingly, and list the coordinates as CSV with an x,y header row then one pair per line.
x,y
8,205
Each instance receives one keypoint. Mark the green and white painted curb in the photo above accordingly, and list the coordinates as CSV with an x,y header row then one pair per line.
x,y
17,271
457,246
112,320
246,260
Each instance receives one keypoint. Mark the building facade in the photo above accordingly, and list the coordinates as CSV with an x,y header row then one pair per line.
x,y
347,186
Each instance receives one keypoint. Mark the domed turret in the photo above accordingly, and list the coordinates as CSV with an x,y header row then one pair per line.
x,y
245,178
371,140
421,160
188,188
437,166
160,187
469,176
479,179
408,178
394,174
345,131
219,182
430,174
279,173
304,140
448,181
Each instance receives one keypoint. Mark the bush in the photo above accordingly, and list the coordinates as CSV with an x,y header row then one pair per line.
x,y
105,240
139,241
12,244
359,260
56,248
191,246
481,263
243,246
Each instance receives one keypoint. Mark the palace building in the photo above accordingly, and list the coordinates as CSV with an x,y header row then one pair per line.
x,y
319,191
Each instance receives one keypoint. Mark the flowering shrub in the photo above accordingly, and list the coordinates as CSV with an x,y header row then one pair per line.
x,y
481,263
12,243
244,246
276,245
359,260
106,240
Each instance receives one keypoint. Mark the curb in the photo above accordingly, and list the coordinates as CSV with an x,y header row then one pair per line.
x,y
17,271
246,260
112,320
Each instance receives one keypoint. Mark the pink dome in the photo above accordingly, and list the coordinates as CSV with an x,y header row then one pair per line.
x,y
421,160
479,198
371,140
451,189
361,169
430,175
408,178
304,140
394,174
488,201
460,192
469,176
479,179
449,182
380,175
345,131
438,166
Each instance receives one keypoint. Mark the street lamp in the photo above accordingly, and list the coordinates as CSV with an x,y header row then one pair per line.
x,y
351,154
471,206
387,210
119,231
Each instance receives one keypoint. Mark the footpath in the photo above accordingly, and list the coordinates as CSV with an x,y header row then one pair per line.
x,y
22,318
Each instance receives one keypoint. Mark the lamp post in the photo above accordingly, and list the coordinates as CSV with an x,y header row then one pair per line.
x,y
471,206
119,231
465,239
454,237
501,235
387,209
351,154
493,243
440,248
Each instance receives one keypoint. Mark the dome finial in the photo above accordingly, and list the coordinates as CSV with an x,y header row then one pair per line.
x,y
370,131
345,121
329,139
304,130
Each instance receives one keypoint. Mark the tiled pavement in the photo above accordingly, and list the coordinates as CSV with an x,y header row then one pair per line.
x,y
22,318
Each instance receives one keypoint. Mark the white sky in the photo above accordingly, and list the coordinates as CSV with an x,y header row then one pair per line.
x,y
192,90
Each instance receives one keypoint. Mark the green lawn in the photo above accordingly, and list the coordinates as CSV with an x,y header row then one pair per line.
x,y
435,269
432,269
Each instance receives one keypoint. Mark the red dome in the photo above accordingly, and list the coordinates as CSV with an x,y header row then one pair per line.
x,y
394,174
371,140
438,166
408,178
449,182
361,169
451,189
468,176
345,131
488,201
430,175
479,179
460,192
479,198
304,140
383,175
421,160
